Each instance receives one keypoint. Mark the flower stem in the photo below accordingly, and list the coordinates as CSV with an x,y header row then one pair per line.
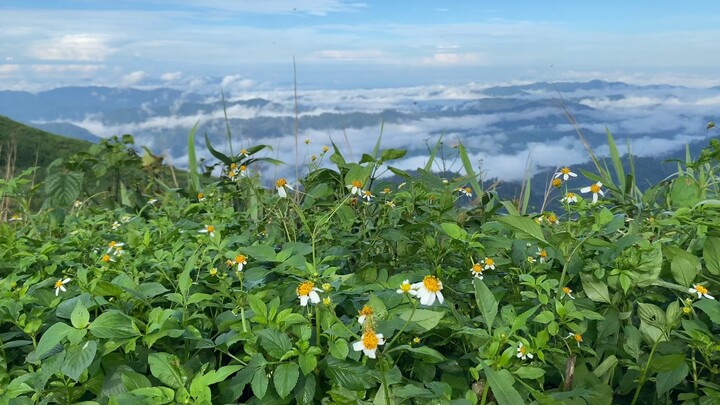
x,y
644,374
317,325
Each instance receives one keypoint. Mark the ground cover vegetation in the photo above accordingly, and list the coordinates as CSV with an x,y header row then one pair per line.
x,y
343,288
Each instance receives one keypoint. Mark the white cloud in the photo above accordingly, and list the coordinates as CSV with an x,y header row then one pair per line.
x,y
78,47
8,69
171,76
134,78
236,81
50,69
449,58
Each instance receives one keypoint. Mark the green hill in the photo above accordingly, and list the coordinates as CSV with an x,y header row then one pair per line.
x,y
34,147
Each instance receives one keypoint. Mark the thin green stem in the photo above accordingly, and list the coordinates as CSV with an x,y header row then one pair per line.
x,y
317,325
486,389
644,374
399,332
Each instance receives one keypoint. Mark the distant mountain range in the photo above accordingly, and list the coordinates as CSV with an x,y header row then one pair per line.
x,y
503,127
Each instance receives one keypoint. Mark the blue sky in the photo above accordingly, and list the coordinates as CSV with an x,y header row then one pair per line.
x,y
356,43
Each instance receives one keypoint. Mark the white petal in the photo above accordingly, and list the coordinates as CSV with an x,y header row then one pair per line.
x,y
281,192
440,297
304,300
417,286
572,174
585,189
412,292
595,198
370,353
599,184
530,355
558,174
67,280
381,338
357,346
427,299
57,291
314,297
361,319
710,297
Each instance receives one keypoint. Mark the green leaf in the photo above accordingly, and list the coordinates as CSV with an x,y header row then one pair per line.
x,y
615,157
667,380
524,228
132,380
155,395
425,319
78,358
274,342
531,373
285,378
486,302
501,383
545,317
711,254
166,368
392,154
454,231
339,348
193,176
219,156
711,308
469,170
54,335
684,266
595,289
259,383
307,363
347,374
63,188
113,325
80,316
427,354
305,392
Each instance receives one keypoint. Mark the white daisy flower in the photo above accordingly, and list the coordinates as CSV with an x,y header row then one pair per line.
x,y
369,343
307,291
595,190
428,290
60,285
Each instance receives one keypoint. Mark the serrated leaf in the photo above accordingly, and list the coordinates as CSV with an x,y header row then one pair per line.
x,y
276,343
259,383
711,254
348,374
285,378
523,227
63,188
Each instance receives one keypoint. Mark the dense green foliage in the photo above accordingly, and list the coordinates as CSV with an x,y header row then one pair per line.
x,y
345,290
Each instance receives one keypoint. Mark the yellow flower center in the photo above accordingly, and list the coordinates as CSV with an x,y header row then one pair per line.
x,y
405,287
594,189
201,196
243,168
432,284
543,253
552,217
233,166
366,310
489,261
244,152
313,158
577,337
570,196
325,149
213,271
112,244
477,268
210,228
368,194
565,170
522,350
556,183
701,289
357,183
305,288
468,190
240,259
281,182
386,190
370,340
567,290
106,258
58,284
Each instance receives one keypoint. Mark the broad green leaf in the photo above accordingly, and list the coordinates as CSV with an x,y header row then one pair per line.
x,y
684,266
285,378
339,348
711,254
392,154
545,317
166,368
501,383
78,358
54,335
259,383
531,373
307,363
486,303
80,316
667,380
711,308
63,188
276,343
523,227
347,374
157,395
132,380
113,325
454,231
305,391
425,319
595,289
